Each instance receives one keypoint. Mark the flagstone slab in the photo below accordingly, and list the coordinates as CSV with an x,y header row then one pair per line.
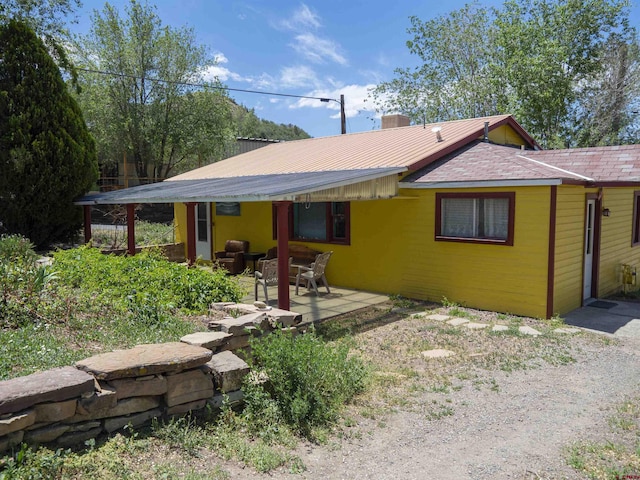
x,y
438,353
438,317
499,328
146,359
527,330
229,370
55,385
239,326
210,340
457,321
476,326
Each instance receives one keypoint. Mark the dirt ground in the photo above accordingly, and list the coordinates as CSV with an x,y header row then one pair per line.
x,y
466,420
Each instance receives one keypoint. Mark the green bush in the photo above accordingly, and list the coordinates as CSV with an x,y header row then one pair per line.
x,y
309,380
22,281
145,284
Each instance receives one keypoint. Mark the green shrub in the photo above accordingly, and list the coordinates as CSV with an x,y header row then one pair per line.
x,y
309,380
22,281
146,284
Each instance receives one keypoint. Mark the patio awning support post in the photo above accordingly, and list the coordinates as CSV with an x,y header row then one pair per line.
x,y
282,209
191,232
87,223
131,229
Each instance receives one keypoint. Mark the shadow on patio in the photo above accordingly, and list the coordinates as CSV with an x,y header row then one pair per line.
x,y
312,307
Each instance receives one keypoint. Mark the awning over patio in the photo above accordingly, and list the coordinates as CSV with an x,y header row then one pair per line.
x,y
342,185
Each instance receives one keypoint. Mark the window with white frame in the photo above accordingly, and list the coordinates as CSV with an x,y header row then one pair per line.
x,y
475,217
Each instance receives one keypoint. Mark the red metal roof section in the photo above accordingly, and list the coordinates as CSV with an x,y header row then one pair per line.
x,y
412,147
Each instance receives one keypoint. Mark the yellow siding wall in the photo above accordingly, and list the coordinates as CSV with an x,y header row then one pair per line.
x,y
616,246
569,258
393,251
505,135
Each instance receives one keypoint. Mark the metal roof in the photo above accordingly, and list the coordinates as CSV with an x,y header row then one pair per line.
x,y
410,147
283,186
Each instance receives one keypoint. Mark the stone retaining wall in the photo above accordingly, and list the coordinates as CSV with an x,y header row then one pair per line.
x,y
102,394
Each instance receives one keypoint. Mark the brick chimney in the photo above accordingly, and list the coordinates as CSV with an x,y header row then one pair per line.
x,y
396,120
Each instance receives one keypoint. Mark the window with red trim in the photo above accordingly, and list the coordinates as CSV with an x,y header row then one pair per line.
x,y
636,218
475,217
324,222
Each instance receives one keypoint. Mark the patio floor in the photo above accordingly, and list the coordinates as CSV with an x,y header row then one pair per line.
x,y
314,308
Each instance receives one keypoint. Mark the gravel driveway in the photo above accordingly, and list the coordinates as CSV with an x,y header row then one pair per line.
x,y
516,427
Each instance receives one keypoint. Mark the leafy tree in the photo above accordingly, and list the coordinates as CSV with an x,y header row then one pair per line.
x,y
528,58
47,156
607,106
159,124
47,19
454,78
249,125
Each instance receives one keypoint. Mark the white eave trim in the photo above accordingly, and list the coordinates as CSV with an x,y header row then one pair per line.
x,y
482,183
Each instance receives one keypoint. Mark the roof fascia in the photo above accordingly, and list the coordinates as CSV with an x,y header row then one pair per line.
x,y
483,183
474,135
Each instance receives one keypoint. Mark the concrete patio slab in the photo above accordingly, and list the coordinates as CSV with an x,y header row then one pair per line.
x,y
622,319
314,308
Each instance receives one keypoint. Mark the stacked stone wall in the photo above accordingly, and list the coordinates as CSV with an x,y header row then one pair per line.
x,y
102,394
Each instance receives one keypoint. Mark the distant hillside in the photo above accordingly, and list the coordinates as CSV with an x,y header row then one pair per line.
x,y
249,125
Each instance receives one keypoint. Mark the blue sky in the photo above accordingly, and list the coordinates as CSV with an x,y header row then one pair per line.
x,y
314,48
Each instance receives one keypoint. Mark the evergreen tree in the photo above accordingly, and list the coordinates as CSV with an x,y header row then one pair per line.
x,y
47,156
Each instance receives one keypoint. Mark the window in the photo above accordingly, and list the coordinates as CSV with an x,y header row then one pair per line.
x,y
327,222
636,219
475,217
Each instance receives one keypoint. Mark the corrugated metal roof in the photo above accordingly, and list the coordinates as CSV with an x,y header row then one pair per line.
x,y
247,188
410,147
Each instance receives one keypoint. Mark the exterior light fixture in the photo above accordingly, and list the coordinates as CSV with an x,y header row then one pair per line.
x,y
606,212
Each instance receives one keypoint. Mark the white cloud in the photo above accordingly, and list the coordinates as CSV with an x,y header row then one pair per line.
x,y
354,100
301,20
219,72
317,49
298,76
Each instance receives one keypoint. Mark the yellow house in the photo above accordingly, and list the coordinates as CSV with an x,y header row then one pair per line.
x,y
470,210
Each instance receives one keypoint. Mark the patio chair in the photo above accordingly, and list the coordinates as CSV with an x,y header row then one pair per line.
x,y
267,277
232,258
310,275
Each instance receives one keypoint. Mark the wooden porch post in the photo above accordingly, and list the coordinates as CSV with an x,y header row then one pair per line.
x,y
191,233
131,230
87,223
282,209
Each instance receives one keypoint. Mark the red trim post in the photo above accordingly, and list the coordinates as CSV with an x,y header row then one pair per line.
x,y
131,229
284,301
191,232
87,223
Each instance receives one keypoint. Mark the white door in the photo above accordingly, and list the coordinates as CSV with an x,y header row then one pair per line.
x,y
203,231
588,248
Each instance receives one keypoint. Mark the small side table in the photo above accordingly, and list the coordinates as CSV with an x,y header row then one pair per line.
x,y
253,256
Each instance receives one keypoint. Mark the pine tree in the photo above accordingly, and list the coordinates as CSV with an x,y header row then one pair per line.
x,y
47,156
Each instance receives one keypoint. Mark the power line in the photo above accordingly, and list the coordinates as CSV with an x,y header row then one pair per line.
x,y
203,85
343,126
